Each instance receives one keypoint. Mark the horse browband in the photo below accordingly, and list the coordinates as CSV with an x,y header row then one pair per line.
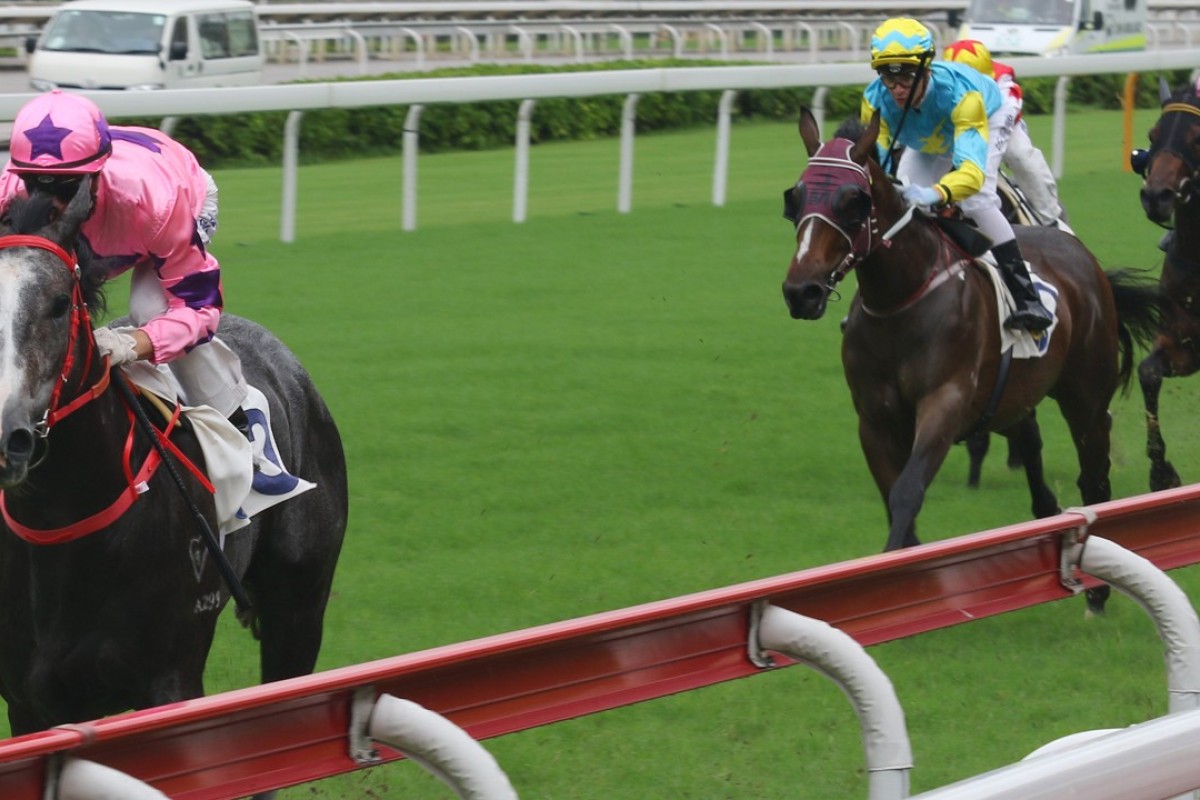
x,y
40,242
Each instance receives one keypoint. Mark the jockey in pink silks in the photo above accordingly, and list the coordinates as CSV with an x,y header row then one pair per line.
x,y
155,210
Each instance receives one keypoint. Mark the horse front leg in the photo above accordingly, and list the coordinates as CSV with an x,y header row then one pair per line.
x,y
903,477
1151,372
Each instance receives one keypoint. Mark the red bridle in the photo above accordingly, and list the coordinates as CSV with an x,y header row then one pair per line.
x,y
81,330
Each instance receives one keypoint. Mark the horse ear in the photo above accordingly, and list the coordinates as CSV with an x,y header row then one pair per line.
x,y
809,131
80,207
65,228
866,143
1164,91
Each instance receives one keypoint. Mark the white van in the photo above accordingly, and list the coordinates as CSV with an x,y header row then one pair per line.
x,y
147,44
1055,27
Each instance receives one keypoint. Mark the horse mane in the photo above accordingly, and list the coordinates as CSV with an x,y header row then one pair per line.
x,y
30,215
1186,94
853,128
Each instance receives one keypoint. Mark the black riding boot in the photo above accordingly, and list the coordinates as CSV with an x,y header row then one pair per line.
x,y
1030,315
240,421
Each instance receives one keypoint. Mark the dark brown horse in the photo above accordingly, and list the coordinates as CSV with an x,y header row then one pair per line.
x,y
921,349
1169,195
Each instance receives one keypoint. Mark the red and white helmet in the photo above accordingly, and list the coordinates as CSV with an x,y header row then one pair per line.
x,y
58,132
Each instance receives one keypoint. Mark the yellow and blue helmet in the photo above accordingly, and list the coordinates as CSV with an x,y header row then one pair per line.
x,y
900,40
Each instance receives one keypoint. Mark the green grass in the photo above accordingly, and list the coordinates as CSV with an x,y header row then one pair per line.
x,y
591,410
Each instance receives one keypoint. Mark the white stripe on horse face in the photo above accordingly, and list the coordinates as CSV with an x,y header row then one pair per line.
x,y
14,275
805,238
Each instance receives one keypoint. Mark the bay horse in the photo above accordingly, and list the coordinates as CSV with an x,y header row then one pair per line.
x,y
921,347
123,616
1169,196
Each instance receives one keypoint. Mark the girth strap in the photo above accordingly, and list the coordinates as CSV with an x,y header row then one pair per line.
x,y
994,401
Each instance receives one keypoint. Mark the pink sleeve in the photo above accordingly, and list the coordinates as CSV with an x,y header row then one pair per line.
x,y
191,281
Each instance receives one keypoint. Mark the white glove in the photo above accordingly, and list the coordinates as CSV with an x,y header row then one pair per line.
x,y
922,195
116,343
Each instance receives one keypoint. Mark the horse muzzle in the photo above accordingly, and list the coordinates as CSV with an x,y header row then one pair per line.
x,y
1159,204
805,300
15,457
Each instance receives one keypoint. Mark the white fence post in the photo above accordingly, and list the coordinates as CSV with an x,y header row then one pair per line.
x,y
625,181
721,163
521,178
291,150
836,655
412,139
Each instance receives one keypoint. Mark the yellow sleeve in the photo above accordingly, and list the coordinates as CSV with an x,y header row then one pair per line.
x,y
970,139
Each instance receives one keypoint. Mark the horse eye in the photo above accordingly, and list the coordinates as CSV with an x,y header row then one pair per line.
x,y
793,202
60,306
851,206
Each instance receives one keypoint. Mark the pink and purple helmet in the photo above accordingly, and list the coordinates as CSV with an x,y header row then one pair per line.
x,y
61,133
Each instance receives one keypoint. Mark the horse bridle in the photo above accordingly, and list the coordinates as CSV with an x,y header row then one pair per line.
x,y
830,164
80,330
1171,143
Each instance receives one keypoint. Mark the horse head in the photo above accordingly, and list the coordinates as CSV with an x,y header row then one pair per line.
x,y
46,348
834,208
1174,156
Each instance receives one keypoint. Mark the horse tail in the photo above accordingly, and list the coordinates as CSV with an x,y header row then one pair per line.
x,y
1139,305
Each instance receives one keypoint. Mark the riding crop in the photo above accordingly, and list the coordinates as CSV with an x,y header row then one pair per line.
x,y
210,539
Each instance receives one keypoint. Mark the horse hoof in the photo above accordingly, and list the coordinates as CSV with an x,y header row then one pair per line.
x,y
1096,600
1164,476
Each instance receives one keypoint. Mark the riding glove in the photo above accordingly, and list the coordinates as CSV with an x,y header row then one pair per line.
x,y
922,195
116,343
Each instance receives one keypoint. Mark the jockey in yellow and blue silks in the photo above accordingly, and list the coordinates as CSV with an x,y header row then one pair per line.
x,y
954,127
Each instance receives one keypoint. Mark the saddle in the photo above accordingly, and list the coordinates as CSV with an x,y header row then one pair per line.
x,y
248,475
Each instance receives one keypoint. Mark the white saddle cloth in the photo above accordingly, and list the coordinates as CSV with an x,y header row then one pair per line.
x,y
248,476
1023,343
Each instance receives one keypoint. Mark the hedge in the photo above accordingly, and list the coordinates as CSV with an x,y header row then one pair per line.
x,y
331,134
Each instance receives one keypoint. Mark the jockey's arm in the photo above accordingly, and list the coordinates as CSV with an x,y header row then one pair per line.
x,y
191,283
970,149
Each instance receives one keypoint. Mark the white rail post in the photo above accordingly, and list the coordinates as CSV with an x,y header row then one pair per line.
x,y
721,165
1159,596
428,739
418,44
78,779
836,655
625,179
412,140
291,149
1060,125
521,177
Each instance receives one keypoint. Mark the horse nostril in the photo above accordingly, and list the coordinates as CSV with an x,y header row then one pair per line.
x,y
20,447
804,300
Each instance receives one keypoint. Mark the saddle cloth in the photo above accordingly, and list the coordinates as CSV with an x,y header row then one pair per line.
x,y
248,475
1023,343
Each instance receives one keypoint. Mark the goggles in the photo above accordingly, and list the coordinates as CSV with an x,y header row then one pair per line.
x,y
898,75
61,187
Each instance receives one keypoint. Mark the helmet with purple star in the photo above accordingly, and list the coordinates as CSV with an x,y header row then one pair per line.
x,y
59,133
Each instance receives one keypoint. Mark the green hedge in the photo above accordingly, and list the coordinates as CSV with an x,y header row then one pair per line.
x,y
330,134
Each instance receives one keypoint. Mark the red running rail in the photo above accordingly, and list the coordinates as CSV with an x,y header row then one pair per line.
x,y
267,737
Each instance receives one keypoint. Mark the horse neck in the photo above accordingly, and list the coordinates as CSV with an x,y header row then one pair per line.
x,y
1187,232
895,271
